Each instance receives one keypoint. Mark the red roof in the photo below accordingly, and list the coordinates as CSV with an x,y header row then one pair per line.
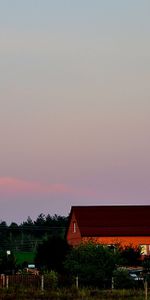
x,y
112,220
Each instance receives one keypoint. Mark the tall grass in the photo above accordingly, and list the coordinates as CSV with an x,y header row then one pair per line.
x,y
70,294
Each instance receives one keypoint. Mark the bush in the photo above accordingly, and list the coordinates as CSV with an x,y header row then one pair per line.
x,y
50,280
122,279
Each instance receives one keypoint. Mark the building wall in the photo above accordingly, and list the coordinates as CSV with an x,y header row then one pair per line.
x,y
73,234
142,241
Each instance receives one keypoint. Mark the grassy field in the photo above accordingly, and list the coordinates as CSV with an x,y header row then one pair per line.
x,y
71,294
24,257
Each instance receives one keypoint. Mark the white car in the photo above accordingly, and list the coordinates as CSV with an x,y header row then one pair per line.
x,y
135,277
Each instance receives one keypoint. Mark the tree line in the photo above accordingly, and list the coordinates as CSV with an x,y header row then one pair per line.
x,y
27,235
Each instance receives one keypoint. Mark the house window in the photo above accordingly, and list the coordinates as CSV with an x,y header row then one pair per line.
x,y
143,249
74,227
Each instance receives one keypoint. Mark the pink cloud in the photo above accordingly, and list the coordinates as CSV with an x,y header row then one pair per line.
x,y
10,185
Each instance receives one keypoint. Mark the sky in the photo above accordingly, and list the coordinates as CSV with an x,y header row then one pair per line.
x,y
74,105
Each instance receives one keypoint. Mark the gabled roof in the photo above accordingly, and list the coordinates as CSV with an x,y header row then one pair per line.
x,y
112,220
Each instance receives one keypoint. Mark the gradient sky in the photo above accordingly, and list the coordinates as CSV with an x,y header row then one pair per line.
x,y
74,105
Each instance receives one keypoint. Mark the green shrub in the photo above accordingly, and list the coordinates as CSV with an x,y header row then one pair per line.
x,y
50,279
122,279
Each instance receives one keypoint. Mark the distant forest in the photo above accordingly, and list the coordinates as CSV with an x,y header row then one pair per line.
x,y
28,235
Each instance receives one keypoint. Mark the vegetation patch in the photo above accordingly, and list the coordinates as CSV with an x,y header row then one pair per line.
x,y
70,294
22,257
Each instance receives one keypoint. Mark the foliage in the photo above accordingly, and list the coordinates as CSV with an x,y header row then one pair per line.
x,y
51,279
130,256
51,254
146,268
7,263
26,236
18,293
93,264
146,264
122,279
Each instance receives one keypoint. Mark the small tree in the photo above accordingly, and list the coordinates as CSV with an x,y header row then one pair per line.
x,y
93,264
51,254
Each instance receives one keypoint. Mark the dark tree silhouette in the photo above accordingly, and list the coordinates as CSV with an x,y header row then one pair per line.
x,y
130,256
51,254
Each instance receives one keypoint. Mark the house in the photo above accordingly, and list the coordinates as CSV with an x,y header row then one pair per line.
x,y
110,225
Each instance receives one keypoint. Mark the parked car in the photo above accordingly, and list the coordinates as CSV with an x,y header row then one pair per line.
x,y
136,276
